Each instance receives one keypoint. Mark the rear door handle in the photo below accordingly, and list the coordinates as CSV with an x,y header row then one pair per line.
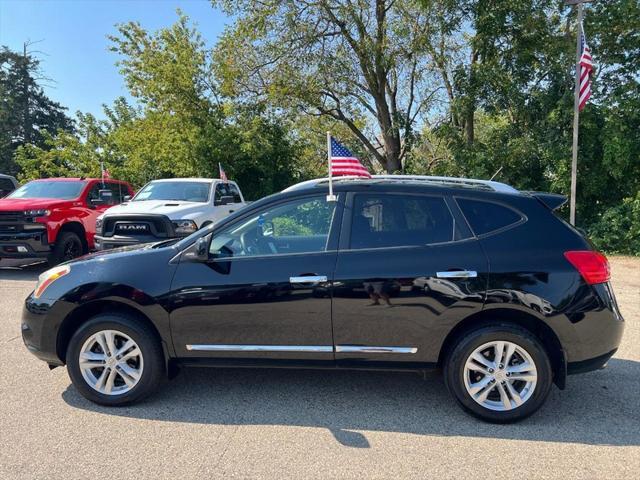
x,y
308,279
457,274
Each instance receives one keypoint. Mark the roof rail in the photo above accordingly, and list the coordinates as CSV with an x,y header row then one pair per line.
x,y
443,181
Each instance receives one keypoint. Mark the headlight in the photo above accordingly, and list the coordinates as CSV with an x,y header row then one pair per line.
x,y
37,213
184,227
47,278
99,225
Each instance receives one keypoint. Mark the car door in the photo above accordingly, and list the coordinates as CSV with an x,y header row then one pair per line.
x,y
408,269
264,292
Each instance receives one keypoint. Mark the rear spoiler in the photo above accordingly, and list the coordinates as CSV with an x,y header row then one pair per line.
x,y
552,200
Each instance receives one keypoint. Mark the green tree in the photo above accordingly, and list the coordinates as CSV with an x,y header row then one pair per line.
x,y
27,115
361,63
180,126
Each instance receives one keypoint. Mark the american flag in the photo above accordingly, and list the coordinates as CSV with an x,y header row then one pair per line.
x,y
344,163
586,67
105,172
223,176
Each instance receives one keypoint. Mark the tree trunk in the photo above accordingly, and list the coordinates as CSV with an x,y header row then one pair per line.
x,y
469,132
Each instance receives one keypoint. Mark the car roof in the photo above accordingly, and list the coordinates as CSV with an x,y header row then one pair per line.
x,y
76,179
191,179
418,180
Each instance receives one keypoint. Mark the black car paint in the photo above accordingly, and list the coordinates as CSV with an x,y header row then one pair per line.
x,y
522,276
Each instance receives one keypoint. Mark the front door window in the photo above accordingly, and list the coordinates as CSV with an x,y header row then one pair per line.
x,y
301,226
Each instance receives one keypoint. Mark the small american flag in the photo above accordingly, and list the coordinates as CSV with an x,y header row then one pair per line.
x,y
105,172
223,176
344,163
586,67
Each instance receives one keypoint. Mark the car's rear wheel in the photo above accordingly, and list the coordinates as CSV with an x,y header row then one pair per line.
x,y
500,373
115,360
67,247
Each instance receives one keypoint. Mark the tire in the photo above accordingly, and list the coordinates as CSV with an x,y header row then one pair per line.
x,y
144,372
530,389
67,247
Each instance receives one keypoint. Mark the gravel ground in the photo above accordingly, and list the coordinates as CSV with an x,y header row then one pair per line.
x,y
276,423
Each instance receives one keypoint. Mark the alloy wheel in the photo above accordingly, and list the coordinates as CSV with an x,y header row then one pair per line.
x,y
111,362
500,375
72,249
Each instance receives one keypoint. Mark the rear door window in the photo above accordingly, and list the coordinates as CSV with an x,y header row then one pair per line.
x,y
381,220
487,217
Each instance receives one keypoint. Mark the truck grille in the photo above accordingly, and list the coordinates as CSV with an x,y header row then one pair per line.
x,y
12,222
158,226
12,216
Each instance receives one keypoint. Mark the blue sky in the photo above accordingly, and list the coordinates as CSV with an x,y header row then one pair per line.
x,y
74,43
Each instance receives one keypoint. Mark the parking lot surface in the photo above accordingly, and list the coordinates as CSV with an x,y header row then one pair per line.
x,y
248,423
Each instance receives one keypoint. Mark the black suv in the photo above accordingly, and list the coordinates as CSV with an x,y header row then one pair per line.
x,y
471,276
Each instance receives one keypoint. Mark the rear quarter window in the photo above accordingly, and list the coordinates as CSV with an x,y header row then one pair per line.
x,y
487,217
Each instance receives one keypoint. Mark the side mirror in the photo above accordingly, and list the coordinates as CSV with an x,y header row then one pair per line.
x,y
202,249
105,195
225,200
126,198
199,251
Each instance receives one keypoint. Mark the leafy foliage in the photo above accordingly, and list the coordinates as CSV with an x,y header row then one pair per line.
x,y
27,115
461,88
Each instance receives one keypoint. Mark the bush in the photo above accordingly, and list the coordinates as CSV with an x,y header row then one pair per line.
x,y
618,228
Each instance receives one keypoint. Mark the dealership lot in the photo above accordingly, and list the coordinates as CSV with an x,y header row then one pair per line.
x,y
280,423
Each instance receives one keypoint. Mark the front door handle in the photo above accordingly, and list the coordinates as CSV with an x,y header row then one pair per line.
x,y
457,274
308,279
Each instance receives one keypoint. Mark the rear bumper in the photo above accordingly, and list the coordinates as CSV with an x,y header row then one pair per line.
x,y
590,364
25,245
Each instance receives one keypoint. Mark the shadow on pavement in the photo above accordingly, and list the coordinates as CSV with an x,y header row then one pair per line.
x,y
22,270
598,408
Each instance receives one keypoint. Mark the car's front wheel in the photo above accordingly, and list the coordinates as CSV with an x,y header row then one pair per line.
x,y
114,359
500,373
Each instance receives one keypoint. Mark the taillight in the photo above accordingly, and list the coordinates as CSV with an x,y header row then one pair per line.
x,y
593,266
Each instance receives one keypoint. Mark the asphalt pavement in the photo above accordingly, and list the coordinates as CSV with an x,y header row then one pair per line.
x,y
248,423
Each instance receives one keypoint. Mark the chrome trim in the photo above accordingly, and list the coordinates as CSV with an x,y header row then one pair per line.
x,y
370,349
308,279
262,348
457,274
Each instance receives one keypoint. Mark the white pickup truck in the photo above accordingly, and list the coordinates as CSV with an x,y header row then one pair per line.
x,y
168,208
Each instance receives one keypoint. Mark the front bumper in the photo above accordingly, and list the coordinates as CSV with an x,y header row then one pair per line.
x,y
107,243
41,319
33,244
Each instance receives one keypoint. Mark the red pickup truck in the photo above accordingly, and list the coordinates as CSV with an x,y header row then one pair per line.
x,y
55,218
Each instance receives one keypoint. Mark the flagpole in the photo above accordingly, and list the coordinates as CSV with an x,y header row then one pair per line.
x,y
331,197
576,113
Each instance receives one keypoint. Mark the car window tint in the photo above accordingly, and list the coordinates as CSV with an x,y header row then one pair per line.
x,y
400,220
222,190
233,190
485,217
300,226
118,190
6,186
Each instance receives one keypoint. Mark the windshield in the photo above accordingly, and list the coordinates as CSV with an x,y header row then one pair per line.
x,y
50,189
183,191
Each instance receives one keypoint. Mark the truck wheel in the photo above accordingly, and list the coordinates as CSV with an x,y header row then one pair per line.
x,y
67,247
